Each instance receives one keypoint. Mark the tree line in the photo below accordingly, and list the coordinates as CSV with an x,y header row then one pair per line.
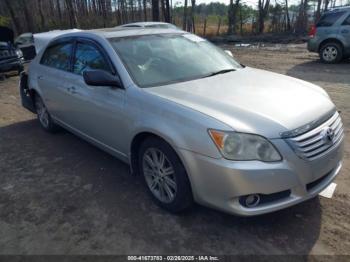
x,y
279,16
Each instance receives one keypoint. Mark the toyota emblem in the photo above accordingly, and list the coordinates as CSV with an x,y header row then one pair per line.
x,y
327,135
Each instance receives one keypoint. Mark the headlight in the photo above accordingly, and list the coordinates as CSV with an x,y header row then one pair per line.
x,y
241,146
19,53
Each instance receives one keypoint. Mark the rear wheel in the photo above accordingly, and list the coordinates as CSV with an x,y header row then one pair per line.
x,y
331,53
43,115
164,175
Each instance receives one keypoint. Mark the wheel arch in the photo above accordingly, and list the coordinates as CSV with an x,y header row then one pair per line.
x,y
136,142
33,94
330,40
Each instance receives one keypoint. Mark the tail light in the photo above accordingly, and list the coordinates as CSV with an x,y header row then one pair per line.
x,y
313,31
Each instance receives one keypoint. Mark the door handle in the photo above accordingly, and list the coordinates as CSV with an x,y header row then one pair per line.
x,y
345,31
40,77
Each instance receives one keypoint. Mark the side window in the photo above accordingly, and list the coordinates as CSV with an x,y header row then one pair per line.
x,y
58,56
88,57
347,21
329,19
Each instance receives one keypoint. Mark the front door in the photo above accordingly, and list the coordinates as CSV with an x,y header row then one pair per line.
x,y
97,111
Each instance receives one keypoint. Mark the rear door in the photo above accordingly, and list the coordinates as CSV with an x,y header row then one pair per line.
x,y
55,67
344,33
327,26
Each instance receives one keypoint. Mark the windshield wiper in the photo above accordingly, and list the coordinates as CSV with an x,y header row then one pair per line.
x,y
220,72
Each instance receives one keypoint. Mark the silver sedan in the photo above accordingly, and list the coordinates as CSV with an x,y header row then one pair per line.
x,y
193,122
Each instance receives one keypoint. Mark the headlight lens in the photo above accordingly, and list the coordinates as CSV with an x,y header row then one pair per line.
x,y
19,53
241,146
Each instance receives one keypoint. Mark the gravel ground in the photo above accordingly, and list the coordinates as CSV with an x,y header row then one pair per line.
x,y
60,195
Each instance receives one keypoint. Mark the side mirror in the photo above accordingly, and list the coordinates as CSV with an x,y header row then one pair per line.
x,y
101,78
229,53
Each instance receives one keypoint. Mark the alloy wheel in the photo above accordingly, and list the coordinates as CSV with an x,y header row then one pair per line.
x,y
330,53
159,175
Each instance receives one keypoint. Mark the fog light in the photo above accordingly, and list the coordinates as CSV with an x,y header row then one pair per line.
x,y
251,200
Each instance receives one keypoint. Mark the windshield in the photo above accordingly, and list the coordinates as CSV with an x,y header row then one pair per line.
x,y
154,60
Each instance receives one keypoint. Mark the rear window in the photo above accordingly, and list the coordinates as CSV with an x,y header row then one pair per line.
x,y
329,19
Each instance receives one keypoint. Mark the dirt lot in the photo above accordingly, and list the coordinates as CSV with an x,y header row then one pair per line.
x,y
60,195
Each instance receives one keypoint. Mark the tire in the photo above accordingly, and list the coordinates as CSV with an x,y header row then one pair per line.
x,y
331,53
160,178
43,115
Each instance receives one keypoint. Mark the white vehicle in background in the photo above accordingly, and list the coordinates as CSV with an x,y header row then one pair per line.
x,y
150,25
42,39
25,42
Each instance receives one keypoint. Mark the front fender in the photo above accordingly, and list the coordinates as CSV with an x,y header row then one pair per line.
x,y
181,127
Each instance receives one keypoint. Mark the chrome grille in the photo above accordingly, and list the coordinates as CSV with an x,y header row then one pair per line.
x,y
320,140
8,53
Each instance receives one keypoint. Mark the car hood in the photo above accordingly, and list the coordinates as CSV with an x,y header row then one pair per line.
x,y
252,100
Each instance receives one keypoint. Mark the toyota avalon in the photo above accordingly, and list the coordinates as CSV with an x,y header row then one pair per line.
x,y
192,121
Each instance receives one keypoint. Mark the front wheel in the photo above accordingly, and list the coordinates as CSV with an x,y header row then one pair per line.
x,y
164,175
43,115
331,53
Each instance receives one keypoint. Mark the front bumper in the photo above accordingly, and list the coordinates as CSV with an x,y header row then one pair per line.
x,y
219,183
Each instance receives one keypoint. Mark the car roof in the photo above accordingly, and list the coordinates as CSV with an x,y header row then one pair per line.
x,y
123,32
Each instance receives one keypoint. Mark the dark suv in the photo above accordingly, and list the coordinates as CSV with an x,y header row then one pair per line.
x,y
331,35
11,58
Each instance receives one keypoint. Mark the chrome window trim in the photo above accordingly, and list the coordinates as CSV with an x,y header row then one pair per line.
x,y
306,128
